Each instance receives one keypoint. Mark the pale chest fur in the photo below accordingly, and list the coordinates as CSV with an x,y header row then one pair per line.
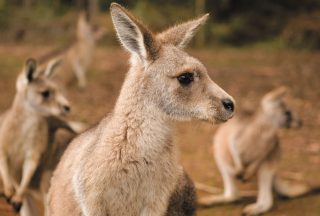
x,y
139,167
83,52
255,143
22,137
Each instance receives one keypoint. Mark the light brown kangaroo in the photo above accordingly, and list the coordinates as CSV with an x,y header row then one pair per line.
x,y
127,164
80,55
248,146
24,130
77,57
60,133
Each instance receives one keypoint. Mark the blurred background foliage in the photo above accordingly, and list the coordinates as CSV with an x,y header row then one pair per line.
x,y
285,23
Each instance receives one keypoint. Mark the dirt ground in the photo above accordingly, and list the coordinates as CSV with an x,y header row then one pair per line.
x,y
246,74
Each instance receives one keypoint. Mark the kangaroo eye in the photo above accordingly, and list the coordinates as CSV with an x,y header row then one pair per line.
x,y
45,94
185,78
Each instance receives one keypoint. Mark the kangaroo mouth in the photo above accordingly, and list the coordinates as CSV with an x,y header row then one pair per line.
x,y
223,118
215,120
219,121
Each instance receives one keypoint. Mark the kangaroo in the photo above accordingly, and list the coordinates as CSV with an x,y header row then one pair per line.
x,y
127,164
248,146
78,56
24,127
60,133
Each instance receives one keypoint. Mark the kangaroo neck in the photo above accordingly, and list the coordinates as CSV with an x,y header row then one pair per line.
x,y
23,110
139,123
262,123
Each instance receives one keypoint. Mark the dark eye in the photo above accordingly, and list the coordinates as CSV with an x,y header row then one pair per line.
x,y
185,78
45,94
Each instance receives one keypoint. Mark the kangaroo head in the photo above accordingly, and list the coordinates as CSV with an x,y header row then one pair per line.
x,y
173,81
278,110
39,92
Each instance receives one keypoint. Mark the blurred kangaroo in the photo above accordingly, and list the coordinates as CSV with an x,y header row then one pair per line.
x,y
248,146
78,56
128,164
25,128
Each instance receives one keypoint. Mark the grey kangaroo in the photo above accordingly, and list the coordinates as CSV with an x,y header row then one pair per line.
x,y
27,133
127,164
248,146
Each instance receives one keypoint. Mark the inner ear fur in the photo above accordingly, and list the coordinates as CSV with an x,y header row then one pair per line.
x,y
52,67
180,35
133,34
30,69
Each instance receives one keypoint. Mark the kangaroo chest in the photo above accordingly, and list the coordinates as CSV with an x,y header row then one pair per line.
x,y
256,146
132,179
29,138
144,185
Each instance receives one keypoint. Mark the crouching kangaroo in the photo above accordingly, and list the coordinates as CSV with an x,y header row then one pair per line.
x,y
127,164
249,146
25,128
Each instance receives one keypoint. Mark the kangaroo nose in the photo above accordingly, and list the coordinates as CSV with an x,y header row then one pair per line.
x,y
66,109
228,105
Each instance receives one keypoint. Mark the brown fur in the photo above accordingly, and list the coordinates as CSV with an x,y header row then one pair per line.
x,y
25,134
250,146
183,199
78,56
127,164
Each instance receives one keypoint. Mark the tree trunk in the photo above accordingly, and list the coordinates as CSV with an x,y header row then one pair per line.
x,y
80,4
27,3
56,4
93,9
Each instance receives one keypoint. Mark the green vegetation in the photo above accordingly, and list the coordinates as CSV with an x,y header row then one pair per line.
x,y
290,23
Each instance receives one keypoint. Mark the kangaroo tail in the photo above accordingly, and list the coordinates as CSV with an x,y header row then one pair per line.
x,y
292,189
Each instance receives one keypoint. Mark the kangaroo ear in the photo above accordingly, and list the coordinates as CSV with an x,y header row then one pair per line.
x,y
276,94
30,69
52,67
133,35
274,97
180,35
